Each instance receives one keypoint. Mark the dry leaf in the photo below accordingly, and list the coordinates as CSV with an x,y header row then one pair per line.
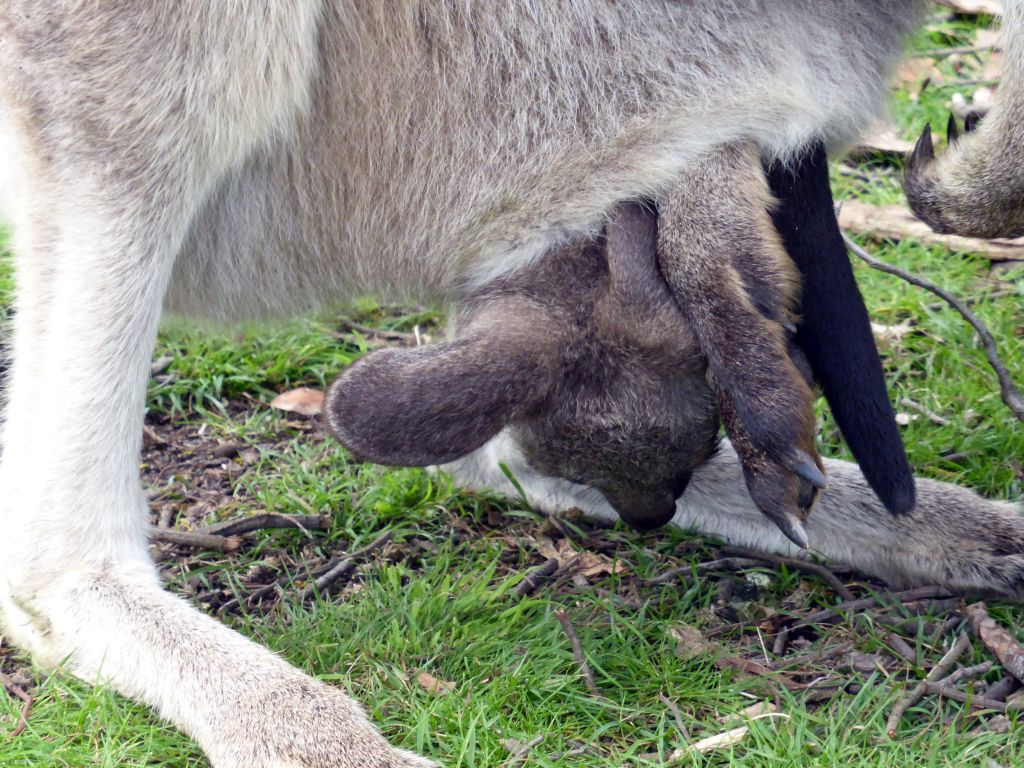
x,y
303,401
588,564
896,222
691,641
431,684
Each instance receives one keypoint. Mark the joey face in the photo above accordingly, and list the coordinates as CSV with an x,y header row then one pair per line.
x,y
583,355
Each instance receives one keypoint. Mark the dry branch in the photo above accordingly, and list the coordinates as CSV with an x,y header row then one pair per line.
x,y
919,690
226,544
26,698
577,652
796,564
341,567
268,520
1000,642
1007,389
537,576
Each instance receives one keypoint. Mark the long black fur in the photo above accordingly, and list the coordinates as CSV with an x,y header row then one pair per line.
x,y
835,332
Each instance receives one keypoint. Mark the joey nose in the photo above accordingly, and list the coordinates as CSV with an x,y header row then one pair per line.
x,y
644,509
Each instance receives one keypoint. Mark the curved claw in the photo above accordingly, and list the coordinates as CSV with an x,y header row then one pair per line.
x,y
803,466
793,528
924,150
971,122
952,130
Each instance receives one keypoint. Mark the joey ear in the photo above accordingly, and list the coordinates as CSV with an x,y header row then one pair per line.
x,y
434,404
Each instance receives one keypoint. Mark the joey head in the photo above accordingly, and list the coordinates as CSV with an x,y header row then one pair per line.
x,y
584,355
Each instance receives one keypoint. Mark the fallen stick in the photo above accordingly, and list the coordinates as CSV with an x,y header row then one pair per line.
x,y
1000,642
721,564
27,701
918,691
967,673
225,544
341,567
577,652
978,702
822,654
757,669
1008,391
317,574
266,521
796,564
536,576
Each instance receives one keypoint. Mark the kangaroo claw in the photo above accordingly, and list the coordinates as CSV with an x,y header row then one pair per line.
x,y
952,130
803,466
924,150
792,527
971,122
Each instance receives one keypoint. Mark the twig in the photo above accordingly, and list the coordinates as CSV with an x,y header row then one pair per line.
x,y
537,576
796,564
757,669
1002,645
822,654
1003,688
917,693
721,564
226,544
676,714
317,574
901,647
519,750
1011,396
938,53
577,652
978,702
238,526
967,673
342,566
931,415
26,708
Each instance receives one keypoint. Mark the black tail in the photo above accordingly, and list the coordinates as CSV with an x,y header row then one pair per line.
x,y
835,333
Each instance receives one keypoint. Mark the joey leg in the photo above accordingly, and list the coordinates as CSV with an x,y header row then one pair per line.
x,y
727,269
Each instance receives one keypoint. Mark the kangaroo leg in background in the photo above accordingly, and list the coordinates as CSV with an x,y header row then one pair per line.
x,y
976,187
834,331
724,262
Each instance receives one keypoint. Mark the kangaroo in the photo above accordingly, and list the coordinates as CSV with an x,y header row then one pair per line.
x,y
228,161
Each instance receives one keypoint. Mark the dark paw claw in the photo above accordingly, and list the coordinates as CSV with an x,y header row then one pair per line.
x,y
792,527
971,122
803,466
952,130
924,150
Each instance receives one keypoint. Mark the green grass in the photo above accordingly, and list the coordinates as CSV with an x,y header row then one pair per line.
x,y
450,614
